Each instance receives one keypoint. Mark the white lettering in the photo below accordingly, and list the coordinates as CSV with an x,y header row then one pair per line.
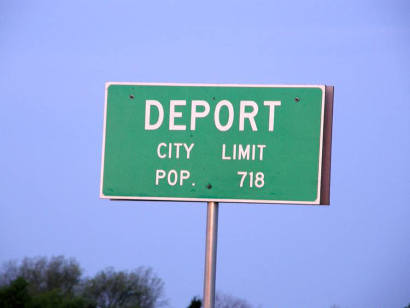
x,y
248,115
200,109
160,174
271,105
224,157
195,114
162,144
174,114
174,181
243,153
184,176
177,145
153,103
261,147
219,126
188,149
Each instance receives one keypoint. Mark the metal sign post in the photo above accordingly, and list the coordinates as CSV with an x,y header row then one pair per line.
x,y
210,254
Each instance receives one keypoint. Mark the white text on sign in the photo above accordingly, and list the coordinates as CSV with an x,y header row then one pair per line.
x,y
247,111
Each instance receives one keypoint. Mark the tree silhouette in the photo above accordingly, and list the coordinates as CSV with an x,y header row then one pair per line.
x,y
43,274
57,283
195,303
15,295
111,289
223,300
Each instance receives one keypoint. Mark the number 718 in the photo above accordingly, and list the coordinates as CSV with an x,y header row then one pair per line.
x,y
256,179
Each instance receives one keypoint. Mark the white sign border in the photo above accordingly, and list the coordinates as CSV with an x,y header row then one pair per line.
x,y
316,202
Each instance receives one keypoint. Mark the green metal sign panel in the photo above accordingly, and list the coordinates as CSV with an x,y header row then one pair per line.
x,y
206,142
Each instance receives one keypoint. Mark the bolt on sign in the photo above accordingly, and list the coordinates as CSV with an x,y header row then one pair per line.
x,y
217,142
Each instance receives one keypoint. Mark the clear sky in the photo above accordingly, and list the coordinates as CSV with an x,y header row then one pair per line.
x,y
55,57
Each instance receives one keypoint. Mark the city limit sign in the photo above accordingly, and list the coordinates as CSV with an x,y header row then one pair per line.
x,y
217,142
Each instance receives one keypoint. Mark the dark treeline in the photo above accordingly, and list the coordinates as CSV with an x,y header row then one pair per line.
x,y
58,282
222,301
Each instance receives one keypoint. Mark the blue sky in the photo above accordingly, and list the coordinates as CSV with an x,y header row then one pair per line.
x,y
54,60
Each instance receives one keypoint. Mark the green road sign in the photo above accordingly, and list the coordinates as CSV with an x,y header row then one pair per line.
x,y
209,142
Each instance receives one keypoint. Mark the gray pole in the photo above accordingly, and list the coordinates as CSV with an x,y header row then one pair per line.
x,y
210,254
